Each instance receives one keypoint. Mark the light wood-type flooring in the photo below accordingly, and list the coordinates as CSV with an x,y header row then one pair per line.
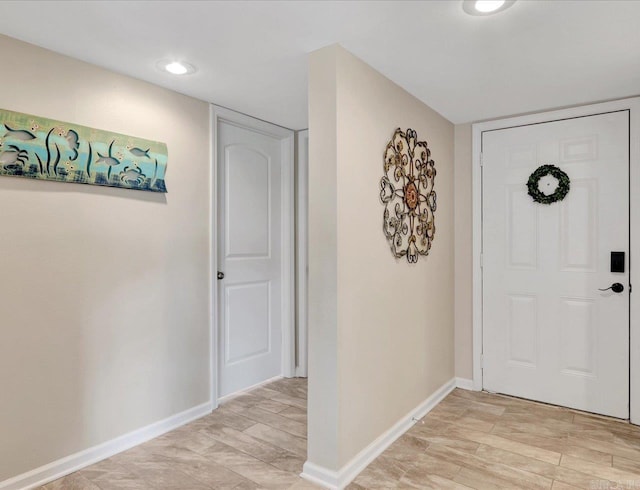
x,y
470,440
256,440
485,441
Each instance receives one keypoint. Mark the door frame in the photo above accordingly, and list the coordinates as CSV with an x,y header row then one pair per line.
x,y
302,250
220,114
631,104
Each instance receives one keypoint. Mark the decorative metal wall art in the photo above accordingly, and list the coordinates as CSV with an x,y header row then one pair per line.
x,y
534,184
46,149
407,192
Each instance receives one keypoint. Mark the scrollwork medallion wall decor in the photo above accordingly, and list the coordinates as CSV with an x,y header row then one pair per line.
x,y
407,192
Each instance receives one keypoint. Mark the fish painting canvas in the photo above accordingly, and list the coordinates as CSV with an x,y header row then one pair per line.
x,y
46,149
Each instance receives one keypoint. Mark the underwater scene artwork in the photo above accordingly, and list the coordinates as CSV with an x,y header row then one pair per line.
x,y
46,149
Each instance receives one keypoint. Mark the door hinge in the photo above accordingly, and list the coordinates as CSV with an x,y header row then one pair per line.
x,y
630,288
481,160
482,361
481,261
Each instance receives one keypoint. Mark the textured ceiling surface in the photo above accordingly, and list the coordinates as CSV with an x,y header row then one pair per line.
x,y
252,56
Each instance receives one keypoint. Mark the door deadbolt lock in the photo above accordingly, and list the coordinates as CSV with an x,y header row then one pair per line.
x,y
616,287
220,275
617,261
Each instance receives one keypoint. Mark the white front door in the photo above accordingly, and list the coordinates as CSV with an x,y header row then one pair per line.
x,y
549,333
251,216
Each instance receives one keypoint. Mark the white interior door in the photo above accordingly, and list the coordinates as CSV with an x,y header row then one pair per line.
x,y
251,219
549,334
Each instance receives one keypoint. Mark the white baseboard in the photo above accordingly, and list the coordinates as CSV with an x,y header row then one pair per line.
x,y
321,476
82,459
337,480
465,384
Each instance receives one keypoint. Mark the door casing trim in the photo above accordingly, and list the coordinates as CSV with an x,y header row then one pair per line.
x,y
631,104
302,251
287,140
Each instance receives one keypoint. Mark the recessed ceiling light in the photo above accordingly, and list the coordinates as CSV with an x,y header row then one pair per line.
x,y
176,67
486,7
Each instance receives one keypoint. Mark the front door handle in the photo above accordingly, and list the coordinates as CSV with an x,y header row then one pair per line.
x,y
220,275
616,287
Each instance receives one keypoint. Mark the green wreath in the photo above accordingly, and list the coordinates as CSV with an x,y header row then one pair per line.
x,y
564,184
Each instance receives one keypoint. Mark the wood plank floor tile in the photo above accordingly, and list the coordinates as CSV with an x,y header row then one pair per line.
x,y
289,462
302,484
354,486
591,441
295,413
543,411
247,485
593,433
480,480
606,422
587,454
632,466
382,473
508,445
245,401
519,478
287,387
72,482
279,438
431,481
187,438
544,428
549,470
629,441
406,447
273,406
427,464
542,442
429,426
145,453
258,471
451,441
213,475
603,472
465,422
165,476
276,420
281,397
558,485
102,468
225,416
243,442
119,482
449,412
484,415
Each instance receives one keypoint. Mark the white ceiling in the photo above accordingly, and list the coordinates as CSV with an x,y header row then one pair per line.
x,y
252,56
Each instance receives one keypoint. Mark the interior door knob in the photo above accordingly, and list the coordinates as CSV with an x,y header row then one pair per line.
x,y
220,275
616,287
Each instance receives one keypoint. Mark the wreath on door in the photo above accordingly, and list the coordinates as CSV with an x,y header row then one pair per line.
x,y
561,190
